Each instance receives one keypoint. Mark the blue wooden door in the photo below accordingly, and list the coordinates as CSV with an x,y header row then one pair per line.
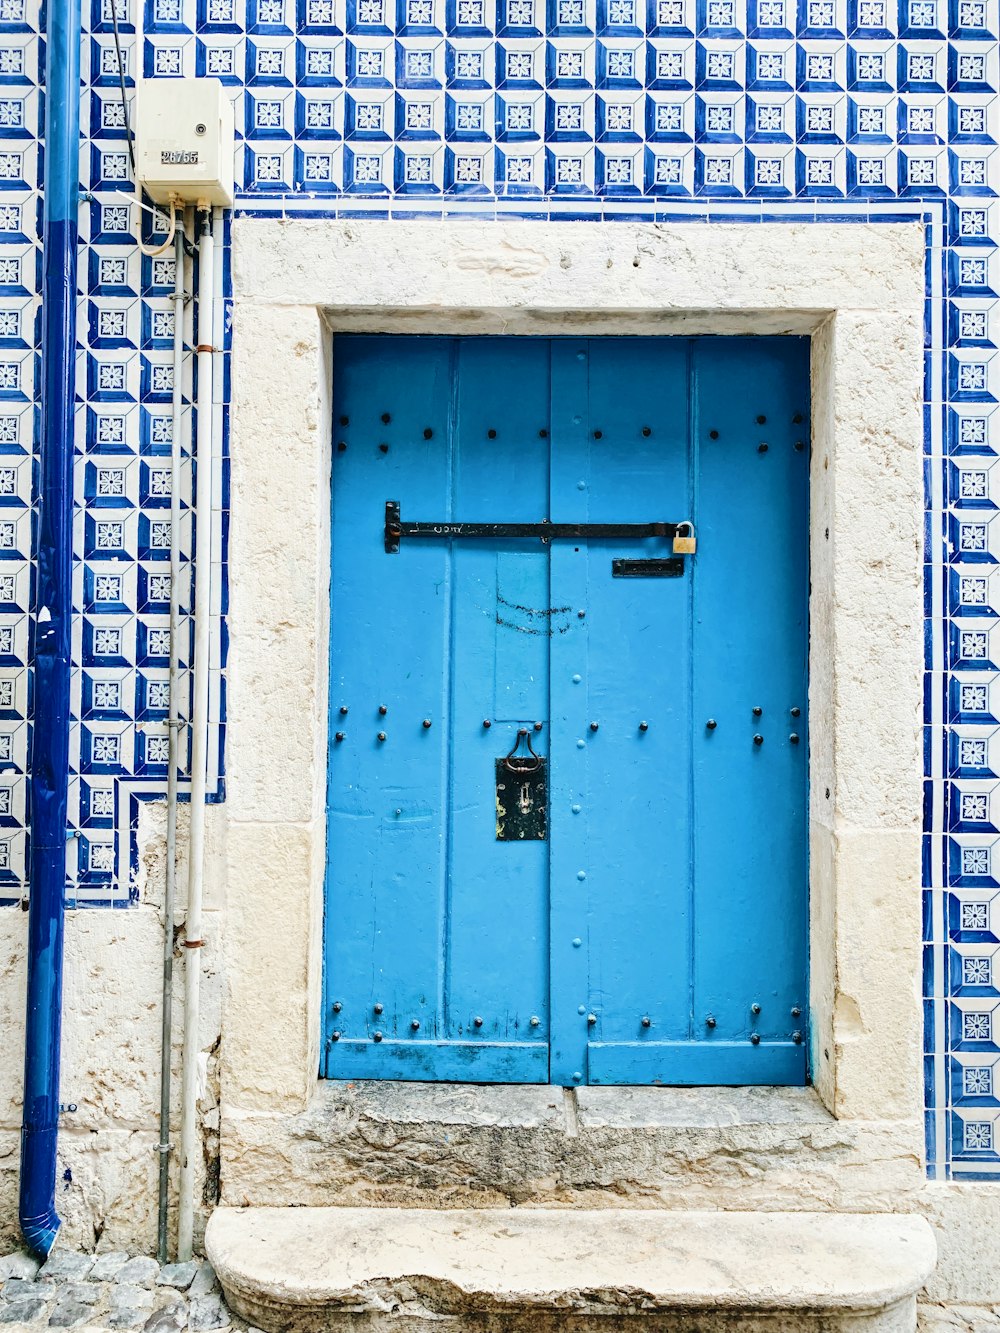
x,y
651,927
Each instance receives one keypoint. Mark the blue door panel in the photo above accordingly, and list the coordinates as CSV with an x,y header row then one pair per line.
x,y
658,934
497,932
384,917
751,591
433,949
620,878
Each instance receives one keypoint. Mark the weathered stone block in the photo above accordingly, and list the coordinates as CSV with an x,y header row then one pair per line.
x,y
142,1272
19,1265
108,1266
179,1276
21,1312
66,1266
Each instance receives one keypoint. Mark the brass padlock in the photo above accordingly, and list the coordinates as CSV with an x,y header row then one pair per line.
x,y
685,542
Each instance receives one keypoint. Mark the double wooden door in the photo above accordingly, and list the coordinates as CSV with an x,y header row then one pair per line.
x,y
568,763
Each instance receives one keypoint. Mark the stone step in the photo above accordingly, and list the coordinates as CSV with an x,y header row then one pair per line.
x,y
432,1145
302,1270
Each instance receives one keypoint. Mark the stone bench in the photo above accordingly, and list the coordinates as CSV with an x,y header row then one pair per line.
x,y
569,1270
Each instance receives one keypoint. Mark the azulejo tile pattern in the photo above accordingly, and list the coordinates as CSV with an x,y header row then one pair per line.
x,y
119,740
593,109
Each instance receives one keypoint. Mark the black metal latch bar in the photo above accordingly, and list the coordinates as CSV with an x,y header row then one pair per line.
x,y
396,529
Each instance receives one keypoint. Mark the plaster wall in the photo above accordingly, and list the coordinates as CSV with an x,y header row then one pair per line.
x,y
108,1163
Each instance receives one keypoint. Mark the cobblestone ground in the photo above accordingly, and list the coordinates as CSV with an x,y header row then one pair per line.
x,y
97,1293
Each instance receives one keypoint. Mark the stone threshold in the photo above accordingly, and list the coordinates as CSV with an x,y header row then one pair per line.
x,y
309,1270
544,1106
427,1144
434,1145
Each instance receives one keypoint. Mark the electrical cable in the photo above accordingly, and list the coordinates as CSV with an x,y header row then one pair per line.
x,y
153,250
121,84
150,251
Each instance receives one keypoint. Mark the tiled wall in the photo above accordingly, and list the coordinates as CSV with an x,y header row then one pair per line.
x,y
559,109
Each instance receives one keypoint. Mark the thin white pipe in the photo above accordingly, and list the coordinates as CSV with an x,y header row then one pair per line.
x,y
174,757
199,737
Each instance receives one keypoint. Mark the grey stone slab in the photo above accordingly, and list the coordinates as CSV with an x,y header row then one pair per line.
x,y
84,1292
121,1295
19,1288
207,1312
66,1266
141,1272
168,1296
21,1312
107,1266
19,1264
697,1108
513,1105
69,1312
539,1106
976,1317
178,1275
204,1281
126,1316
171,1319
428,1137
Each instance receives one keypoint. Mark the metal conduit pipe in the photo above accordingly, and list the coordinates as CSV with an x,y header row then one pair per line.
x,y
48,784
193,941
175,754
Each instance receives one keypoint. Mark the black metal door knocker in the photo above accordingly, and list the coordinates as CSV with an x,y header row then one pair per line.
x,y
521,793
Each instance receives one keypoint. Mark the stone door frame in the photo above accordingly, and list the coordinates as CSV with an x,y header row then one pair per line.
x,y
858,292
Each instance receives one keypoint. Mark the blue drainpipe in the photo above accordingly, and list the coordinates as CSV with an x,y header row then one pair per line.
x,y
49,759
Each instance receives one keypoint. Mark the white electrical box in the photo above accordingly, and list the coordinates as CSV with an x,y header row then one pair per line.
x,y
185,141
